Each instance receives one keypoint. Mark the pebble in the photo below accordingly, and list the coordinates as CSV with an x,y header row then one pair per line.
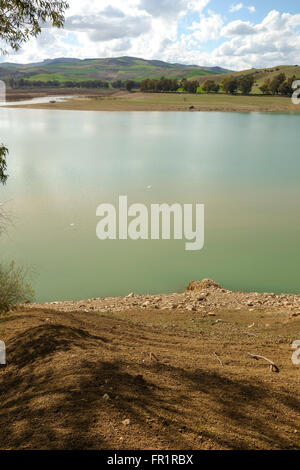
x,y
200,295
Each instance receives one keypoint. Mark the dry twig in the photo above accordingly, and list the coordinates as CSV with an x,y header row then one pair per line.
x,y
216,355
152,356
273,367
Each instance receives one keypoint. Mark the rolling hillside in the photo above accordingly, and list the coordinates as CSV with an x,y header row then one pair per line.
x,y
259,74
123,68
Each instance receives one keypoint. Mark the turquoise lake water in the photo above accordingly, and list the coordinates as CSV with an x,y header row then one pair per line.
x,y
245,168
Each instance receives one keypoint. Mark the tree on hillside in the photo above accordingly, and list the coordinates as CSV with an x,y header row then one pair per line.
x,y
286,88
276,82
161,85
117,84
19,21
182,83
210,86
129,85
190,86
230,85
245,84
265,87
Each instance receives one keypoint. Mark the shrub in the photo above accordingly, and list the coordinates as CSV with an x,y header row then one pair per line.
x,y
245,84
265,87
230,85
14,287
210,86
276,82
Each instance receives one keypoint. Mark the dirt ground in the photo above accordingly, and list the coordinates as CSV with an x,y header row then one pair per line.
x,y
149,379
116,100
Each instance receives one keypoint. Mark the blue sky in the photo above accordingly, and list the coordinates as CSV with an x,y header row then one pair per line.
x,y
232,34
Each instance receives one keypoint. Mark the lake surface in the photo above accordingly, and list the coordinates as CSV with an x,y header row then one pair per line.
x,y
245,168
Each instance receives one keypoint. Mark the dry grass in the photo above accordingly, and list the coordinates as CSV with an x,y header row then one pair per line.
x,y
14,286
123,101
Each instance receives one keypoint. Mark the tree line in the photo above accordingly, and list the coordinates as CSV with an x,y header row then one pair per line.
x,y
167,85
16,83
230,85
279,85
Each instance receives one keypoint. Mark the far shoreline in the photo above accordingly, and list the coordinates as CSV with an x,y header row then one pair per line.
x,y
109,100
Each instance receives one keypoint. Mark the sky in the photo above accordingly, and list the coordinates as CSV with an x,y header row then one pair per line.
x,y
232,34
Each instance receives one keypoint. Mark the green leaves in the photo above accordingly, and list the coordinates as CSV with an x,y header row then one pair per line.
x,y
210,86
22,19
246,83
230,85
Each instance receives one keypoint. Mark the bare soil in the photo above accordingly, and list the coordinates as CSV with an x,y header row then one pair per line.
x,y
116,100
148,378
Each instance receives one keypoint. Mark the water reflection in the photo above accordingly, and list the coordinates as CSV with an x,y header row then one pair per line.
x,y
63,164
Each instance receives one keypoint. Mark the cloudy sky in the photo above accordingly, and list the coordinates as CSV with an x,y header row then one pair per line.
x,y
231,34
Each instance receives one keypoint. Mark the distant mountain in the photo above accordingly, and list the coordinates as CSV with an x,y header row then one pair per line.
x,y
121,68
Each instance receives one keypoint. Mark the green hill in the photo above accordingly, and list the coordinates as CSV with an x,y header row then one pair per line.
x,y
259,74
123,68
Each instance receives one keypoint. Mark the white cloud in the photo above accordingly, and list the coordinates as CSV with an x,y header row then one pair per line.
x,y
99,29
112,12
171,8
235,8
208,28
238,28
163,8
240,6
273,41
150,29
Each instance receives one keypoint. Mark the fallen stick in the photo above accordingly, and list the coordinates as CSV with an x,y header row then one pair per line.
x,y
152,355
215,354
250,334
273,367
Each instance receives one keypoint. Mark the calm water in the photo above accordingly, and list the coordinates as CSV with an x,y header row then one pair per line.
x,y
40,100
245,168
